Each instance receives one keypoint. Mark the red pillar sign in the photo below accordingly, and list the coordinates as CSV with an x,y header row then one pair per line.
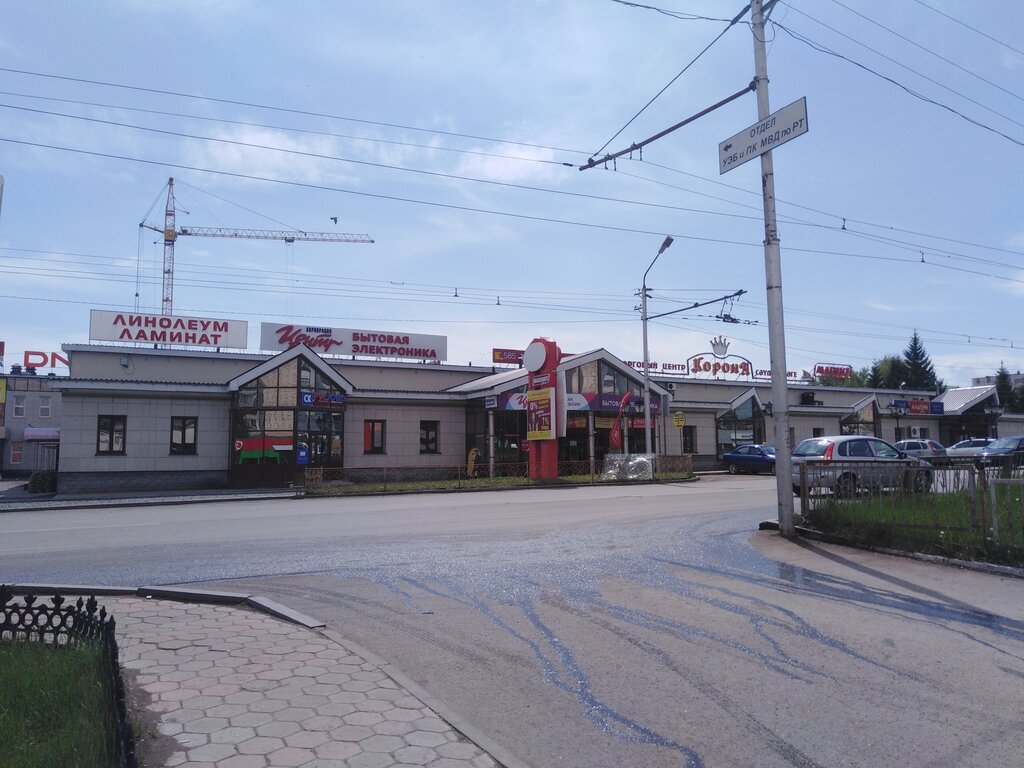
x,y
541,359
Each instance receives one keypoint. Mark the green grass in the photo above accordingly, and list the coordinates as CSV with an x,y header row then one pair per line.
x,y
930,523
54,707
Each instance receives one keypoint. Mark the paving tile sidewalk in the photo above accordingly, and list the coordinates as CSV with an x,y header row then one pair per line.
x,y
236,688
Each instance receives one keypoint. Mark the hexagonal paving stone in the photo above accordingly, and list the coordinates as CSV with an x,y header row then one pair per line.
x,y
415,755
207,724
232,735
381,744
426,739
211,753
290,757
307,739
337,750
260,745
461,750
363,718
297,714
244,761
351,733
251,719
393,728
371,760
322,723
278,729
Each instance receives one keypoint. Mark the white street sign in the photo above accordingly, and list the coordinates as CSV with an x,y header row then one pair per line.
x,y
778,128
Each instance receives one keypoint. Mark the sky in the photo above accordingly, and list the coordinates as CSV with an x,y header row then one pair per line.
x,y
451,132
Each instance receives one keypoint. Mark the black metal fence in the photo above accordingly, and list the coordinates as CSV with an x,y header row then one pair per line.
x,y
483,474
958,508
61,625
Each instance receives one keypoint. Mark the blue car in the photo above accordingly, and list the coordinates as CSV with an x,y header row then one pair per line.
x,y
750,458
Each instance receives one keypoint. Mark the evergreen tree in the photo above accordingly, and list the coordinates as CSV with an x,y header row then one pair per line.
x,y
1016,404
1004,388
920,373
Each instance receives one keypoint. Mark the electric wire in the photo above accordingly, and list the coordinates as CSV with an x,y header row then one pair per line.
x,y
822,49
654,98
929,51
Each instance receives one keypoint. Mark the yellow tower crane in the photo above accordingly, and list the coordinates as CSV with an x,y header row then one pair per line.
x,y
172,232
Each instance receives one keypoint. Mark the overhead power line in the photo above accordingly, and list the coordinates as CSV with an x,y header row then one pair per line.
x,y
968,26
680,74
838,217
822,49
927,50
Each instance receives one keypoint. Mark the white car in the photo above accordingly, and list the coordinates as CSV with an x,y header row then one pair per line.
x,y
971,447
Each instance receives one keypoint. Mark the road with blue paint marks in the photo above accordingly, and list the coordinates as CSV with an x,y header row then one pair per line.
x,y
620,626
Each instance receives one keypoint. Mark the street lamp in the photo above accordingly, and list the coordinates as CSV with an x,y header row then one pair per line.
x,y
897,410
643,316
995,411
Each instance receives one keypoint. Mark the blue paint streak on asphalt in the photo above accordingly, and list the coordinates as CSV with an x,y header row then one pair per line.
x,y
595,710
645,620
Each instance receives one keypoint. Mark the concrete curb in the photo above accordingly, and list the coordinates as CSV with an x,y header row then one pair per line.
x,y
54,504
283,612
967,565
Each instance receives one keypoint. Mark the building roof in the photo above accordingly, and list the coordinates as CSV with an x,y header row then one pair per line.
x,y
956,401
505,381
300,350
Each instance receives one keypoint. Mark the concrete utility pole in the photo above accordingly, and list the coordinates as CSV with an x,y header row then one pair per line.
x,y
773,283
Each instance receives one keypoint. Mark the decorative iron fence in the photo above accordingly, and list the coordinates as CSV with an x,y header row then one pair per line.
x,y
480,475
59,625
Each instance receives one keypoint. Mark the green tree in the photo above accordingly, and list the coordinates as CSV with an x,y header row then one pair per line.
x,y
920,373
1016,404
1010,397
1004,388
888,373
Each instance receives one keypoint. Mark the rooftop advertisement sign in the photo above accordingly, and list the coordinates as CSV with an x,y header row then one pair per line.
x,y
167,329
348,341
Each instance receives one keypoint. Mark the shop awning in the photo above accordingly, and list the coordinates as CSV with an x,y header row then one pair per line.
x,y
42,434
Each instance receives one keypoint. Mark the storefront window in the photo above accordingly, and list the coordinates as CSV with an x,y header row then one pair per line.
x,y
864,421
743,424
582,380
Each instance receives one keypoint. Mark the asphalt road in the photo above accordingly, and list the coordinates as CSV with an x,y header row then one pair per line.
x,y
612,626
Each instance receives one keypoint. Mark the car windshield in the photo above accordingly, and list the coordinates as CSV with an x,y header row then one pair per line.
x,y
769,449
1003,444
812,447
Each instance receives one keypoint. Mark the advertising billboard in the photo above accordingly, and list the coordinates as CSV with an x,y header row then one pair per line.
x,y
349,341
167,329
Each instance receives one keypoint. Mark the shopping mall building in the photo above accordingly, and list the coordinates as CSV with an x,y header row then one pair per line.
x,y
156,402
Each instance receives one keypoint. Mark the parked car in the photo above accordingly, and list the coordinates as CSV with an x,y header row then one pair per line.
x,y
922,449
750,458
1001,452
970,447
848,464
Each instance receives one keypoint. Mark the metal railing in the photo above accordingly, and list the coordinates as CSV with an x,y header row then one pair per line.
x,y
478,475
59,625
956,508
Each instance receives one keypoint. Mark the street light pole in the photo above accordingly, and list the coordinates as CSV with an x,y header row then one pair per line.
x,y
647,378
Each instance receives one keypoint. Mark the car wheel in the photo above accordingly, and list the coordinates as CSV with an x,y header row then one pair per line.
x,y
922,482
733,469
845,487
796,490
773,469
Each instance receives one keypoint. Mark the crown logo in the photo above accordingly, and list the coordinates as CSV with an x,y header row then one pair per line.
x,y
720,346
